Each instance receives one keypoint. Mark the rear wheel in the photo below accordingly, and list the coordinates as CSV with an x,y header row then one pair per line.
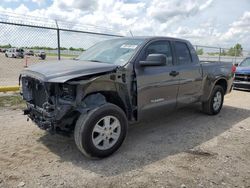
x,y
215,102
100,132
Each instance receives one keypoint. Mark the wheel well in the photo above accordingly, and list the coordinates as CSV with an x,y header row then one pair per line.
x,y
98,98
114,98
223,84
110,96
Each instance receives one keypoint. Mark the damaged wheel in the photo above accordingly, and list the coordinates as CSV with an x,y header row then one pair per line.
x,y
101,131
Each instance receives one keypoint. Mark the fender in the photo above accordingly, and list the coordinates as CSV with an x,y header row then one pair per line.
x,y
113,89
209,83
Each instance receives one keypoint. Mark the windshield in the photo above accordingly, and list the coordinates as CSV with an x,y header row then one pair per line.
x,y
115,51
245,63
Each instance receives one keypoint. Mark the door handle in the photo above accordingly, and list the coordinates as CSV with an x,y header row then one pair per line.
x,y
174,73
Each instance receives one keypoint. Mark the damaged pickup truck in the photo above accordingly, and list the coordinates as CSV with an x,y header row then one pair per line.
x,y
117,82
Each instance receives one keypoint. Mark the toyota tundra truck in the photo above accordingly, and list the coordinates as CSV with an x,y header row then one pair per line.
x,y
119,82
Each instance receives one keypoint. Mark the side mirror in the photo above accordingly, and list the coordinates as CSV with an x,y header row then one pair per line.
x,y
154,60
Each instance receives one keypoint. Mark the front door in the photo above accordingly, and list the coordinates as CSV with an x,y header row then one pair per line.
x,y
156,86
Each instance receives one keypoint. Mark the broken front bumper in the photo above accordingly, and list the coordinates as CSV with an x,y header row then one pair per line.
x,y
44,119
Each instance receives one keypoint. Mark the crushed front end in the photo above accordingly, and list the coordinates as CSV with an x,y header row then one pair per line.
x,y
49,105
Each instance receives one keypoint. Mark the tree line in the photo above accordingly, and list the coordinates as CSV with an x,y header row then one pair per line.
x,y
42,48
236,50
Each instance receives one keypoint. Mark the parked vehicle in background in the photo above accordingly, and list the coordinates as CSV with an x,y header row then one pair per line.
x,y
14,53
29,52
117,82
41,54
3,50
242,75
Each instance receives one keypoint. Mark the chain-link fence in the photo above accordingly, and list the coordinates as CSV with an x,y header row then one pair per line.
x,y
231,55
29,40
26,40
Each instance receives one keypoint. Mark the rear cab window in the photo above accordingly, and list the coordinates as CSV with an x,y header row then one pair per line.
x,y
183,54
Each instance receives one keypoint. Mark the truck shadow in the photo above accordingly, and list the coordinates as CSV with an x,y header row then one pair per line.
x,y
153,140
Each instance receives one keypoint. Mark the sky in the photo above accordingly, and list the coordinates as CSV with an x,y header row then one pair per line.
x,y
204,22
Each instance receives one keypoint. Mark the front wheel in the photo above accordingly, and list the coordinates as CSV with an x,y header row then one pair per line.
x,y
215,102
101,131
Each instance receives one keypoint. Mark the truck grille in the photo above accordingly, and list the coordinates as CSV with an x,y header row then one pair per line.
x,y
38,95
242,77
34,91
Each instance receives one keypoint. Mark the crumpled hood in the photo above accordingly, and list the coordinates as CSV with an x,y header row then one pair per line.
x,y
243,70
62,71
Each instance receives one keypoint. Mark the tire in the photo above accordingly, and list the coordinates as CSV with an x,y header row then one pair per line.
x,y
215,102
86,133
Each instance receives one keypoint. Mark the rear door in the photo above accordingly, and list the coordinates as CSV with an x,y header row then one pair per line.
x,y
156,88
190,73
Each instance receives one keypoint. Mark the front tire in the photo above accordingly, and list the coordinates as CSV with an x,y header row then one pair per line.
x,y
101,131
215,102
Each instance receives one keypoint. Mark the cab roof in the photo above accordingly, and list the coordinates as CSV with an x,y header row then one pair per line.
x,y
148,38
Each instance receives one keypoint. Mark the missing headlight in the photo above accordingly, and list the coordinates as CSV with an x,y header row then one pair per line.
x,y
67,92
26,90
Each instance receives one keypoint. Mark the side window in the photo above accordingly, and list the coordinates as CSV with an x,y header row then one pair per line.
x,y
159,47
182,53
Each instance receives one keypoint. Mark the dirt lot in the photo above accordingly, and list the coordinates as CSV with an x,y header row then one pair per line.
x,y
10,68
182,149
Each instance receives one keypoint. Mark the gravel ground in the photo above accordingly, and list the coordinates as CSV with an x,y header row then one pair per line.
x,y
183,149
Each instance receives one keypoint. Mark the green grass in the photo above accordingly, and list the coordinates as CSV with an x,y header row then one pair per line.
x,y
13,101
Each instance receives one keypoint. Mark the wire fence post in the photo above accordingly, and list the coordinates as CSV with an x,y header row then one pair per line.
x,y
235,55
219,54
58,42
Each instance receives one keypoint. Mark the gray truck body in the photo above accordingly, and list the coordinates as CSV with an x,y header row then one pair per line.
x,y
137,89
